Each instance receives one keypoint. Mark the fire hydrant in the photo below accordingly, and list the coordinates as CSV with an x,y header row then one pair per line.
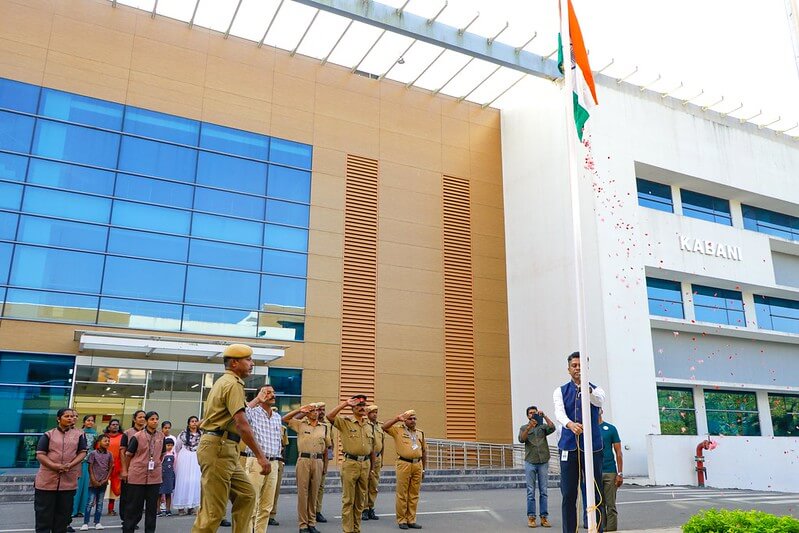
x,y
701,470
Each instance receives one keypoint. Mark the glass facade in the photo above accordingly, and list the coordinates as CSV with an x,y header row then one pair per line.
x,y
719,306
654,195
121,216
771,222
665,298
702,206
777,314
784,414
677,412
732,413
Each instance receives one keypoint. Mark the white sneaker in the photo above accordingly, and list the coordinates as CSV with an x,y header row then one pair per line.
x,y
98,525
84,527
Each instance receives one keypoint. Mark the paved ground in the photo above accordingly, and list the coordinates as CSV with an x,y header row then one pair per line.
x,y
662,509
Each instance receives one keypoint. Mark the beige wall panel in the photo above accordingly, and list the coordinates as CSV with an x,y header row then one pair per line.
x,y
430,419
397,231
89,41
171,32
298,66
402,176
322,330
455,132
326,243
38,337
398,337
324,219
410,120
327,190
486,193
316,383
85,76
410,385
324,299
410,308
486,167
341,78
490,316
408,149
168,61
451,108
26,22
487,220
22,62
393,361
490,289
236,111
292,124
397,254
238,78
488,267
167,96
455,161
240,50
491,246
487,117
494,423
331,162
410,279
346,136
409,206
293,92
122,18
321,356
491,344
347,105
392,91
492,368
325,268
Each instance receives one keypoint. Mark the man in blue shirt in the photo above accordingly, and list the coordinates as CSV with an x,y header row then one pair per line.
x,y
612,478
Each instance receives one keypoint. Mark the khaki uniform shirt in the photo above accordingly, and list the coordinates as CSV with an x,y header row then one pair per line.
x,y
225,400
409,444
380,438
310,439
284,438
356,438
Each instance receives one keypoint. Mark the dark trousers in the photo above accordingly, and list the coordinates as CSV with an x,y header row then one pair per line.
x,y
572,471
140,499
53,509
121,500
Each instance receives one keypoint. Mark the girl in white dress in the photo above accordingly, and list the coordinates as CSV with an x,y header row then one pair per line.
x,y
186,497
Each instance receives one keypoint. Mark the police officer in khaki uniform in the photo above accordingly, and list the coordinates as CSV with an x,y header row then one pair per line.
x,y
223,427
357,442
284,442
319,495
313,440
374,474
411,459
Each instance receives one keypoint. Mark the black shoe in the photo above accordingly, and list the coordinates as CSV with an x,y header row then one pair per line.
x,y
305,530
414,526
225,523
403,526
372,515
365,515
312,529
273,522
321,518
70,528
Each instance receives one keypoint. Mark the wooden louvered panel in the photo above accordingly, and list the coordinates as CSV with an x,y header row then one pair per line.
x,y
359,298
459,385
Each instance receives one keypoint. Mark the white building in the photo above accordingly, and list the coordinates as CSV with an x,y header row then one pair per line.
x,y
692,280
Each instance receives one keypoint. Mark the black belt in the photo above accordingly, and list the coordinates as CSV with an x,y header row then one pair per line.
x,y
225,435
250,454
313,455
410,460
377,454
356,457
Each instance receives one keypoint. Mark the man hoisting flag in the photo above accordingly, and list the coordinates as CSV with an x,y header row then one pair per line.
x,y
573,401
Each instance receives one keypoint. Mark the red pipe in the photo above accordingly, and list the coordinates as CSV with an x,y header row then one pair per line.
x,y
701,470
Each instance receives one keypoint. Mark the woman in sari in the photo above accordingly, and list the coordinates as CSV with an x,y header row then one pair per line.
x,y
115,482
82,492
186,497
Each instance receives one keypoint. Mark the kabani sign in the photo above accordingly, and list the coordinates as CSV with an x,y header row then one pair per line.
x,y
701,246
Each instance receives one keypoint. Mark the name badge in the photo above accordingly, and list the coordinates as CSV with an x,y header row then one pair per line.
x,y
151,465
415,446
564,455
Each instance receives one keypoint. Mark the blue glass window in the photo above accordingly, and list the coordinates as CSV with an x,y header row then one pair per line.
x,y
777,314
15,132
287,213
281,326
289,184
44,268
154,191
8,225
149,217
12,167
161,126
66,205
291,264
229,203
10,195
224,254
158,159
51,306
36,369
63,234
234,141
139,314
143,279
279,292
224,288
704,207
5,261
73,177
149,245
771,222
719,306
214,321
33,408
226,229
286,380
18,95
284,238
665,298
76,144
81,109
290,153
233,173
654,195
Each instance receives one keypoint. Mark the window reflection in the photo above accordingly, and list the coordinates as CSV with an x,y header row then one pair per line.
x,y
139,314
225,288
290,153
231,173
157,159
81,109
15,132
226,229
285,238
224,255
281,326
234,141
149,245
66,205
149,217
72,177
12,167
75,143
282,294
8,226
154,191
289,184
10,196
62,233
219,321
50,306
228,203
56,269
291,264
143,279
287,213
18,95
161,126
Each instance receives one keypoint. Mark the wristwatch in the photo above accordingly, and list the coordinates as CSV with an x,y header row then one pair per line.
x,y
619,474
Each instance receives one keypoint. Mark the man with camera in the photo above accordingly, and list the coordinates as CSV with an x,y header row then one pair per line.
x,y
536,462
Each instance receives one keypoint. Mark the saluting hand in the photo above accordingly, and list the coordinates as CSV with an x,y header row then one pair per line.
x,y
305,409
352,402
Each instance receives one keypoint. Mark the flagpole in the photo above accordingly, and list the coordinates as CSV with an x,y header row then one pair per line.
x,y
582,339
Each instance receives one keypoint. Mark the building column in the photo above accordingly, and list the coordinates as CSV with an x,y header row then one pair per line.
x,y
687,300
737,214
764,412
699,409
750,314
676,199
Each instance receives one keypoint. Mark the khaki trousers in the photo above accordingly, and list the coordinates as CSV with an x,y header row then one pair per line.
x,y
309,474
222,479
277,489
409,483
321,493
374,481
354,480
264,493
610,517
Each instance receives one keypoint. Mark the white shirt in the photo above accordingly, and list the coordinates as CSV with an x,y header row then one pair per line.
x,y
267,427
597,397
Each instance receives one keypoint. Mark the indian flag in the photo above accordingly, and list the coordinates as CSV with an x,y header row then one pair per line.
x,y
582,81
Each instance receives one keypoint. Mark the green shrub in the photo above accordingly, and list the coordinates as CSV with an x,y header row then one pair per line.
x,y
723,521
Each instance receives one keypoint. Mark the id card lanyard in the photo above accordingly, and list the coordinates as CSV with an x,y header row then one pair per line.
x,y
151,445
